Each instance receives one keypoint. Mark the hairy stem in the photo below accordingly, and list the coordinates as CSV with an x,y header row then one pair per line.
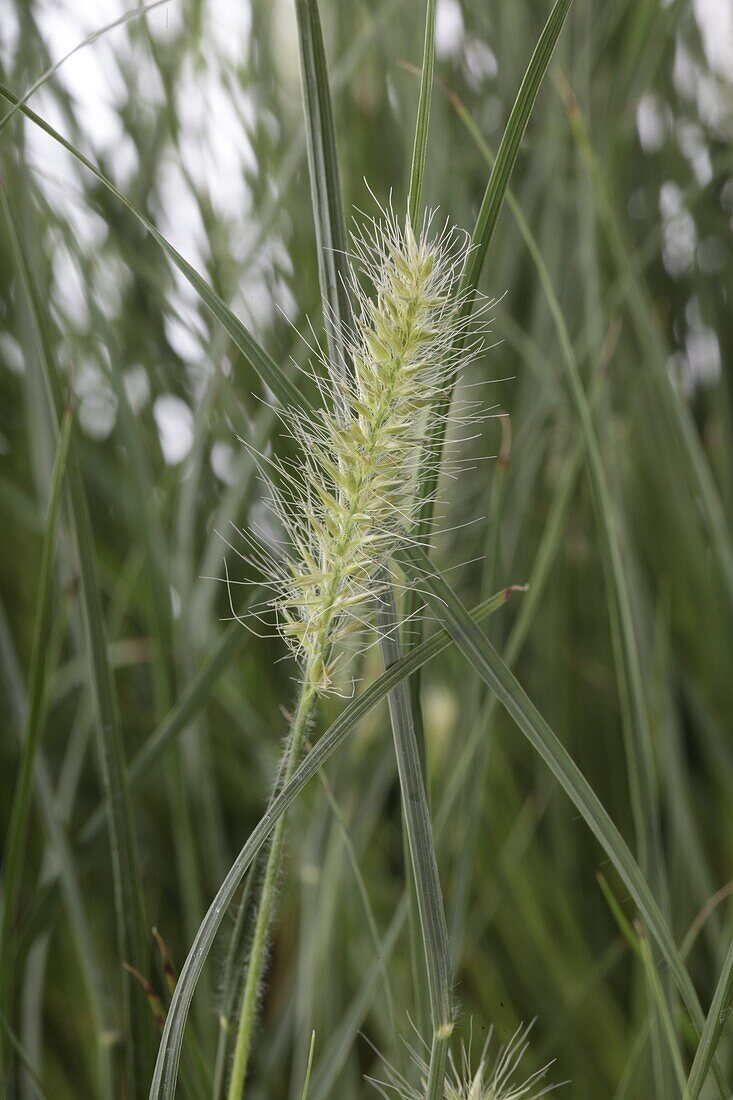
x,y
248,1009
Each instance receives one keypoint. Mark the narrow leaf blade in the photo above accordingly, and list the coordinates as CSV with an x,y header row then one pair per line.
x,y
482,656
422,123
260,360
328,213
166,1070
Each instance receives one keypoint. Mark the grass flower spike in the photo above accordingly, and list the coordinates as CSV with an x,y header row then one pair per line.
x,y
488,1082
350,501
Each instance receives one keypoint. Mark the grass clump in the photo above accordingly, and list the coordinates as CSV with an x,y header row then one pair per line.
x,y
147,277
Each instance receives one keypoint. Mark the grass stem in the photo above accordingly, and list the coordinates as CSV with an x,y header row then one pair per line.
x,y
248,1009
424,865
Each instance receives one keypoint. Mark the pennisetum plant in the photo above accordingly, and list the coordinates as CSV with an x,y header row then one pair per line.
x,y
348,503
362,491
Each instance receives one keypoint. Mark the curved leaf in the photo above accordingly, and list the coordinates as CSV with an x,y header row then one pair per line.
x,y
166,1069
495,673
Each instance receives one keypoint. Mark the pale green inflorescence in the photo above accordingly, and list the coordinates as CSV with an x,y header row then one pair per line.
x,y
350,501
489,1081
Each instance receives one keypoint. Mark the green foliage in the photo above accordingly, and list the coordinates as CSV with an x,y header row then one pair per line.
x,y
170,229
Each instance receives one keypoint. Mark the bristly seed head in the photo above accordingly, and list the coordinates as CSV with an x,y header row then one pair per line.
x,y
486,1082
350,500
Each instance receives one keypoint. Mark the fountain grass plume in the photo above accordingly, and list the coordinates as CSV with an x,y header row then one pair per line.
x,y
488,1081
350,500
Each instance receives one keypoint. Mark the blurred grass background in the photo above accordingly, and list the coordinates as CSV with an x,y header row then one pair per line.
x,y
625,186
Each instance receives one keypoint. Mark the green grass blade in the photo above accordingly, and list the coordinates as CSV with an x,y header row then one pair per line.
x,y
484,229
340,1042
306,1083
145,520
422,123
188,704
235,966
328,213
263,363
127,891
628,1087
476,786
541,571
414,201
55,807
23,1056
509,146
661,1001
635,719
427,479
636,725
305,709
643,313
238,955
17,832
482,656
135,13
422,851
638,739
346,840
717,1017
166,1069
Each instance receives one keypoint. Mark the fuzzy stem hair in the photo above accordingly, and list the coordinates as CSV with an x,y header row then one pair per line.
x,y
265,912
